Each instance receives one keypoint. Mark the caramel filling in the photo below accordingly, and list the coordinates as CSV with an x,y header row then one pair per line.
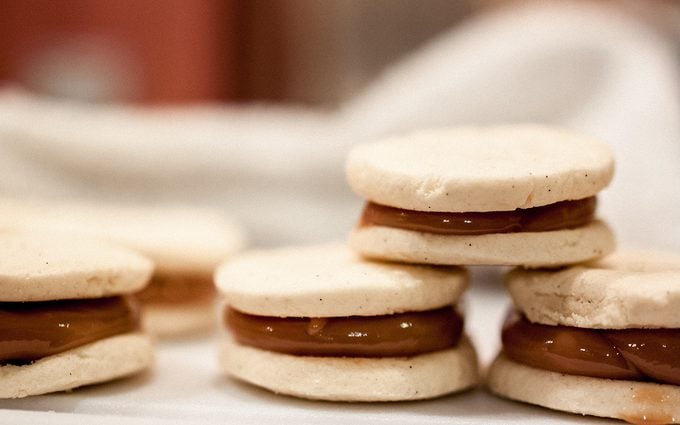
x,y
561,215
177,289
32,330
633,354
394,335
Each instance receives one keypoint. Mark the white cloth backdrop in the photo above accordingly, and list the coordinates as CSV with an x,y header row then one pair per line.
x,y
280,169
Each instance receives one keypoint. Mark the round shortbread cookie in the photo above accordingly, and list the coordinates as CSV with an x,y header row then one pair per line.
x,y
96,362
41,267
354,379
625,290
480,169
179,320
635,402
528,249
330,281
178,239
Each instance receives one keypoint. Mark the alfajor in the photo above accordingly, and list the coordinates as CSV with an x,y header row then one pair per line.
x,y
66,316
598,339
185,243
320,323
508,195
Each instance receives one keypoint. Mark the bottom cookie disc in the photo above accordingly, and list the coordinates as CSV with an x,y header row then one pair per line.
x,y
100,361
354,378
529,249
632,401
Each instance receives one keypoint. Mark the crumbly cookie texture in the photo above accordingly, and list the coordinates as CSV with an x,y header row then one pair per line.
x,y
354,379
480,169
100,361
624,290
46,266
528,249
636,402
330,280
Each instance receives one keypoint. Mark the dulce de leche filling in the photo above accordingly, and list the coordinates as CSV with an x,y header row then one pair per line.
x,y
632,354
167,288
33,330
560,215
394,335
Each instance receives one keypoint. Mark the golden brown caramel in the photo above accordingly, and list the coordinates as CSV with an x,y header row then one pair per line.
x,y
561,215
655,352
177,289
394,335
32,330
633,354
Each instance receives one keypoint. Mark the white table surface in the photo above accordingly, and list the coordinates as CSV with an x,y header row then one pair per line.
x,y
185,387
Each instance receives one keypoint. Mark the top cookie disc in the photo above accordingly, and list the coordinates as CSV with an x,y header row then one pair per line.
x,y
178,239
44,267
627,289
331,281
480,169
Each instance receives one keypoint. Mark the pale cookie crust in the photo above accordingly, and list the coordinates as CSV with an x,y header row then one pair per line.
x,y
608,294
179,320
354,379
636,402
99,361
40,266
528,249
330,280
177,238
480,169
639,261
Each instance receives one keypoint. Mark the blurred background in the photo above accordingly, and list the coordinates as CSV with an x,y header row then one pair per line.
x,y
155,52
251,106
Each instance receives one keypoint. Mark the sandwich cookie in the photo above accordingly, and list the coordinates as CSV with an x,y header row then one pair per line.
x,y
186,245
509,195
320,323
598,339
66,316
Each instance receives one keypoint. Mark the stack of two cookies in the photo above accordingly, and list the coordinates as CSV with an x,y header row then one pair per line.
x,y
326,323
591,334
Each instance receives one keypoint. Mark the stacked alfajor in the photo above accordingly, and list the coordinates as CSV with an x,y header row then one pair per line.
x,y
67,316
320,322
522,195
376,320
601,338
